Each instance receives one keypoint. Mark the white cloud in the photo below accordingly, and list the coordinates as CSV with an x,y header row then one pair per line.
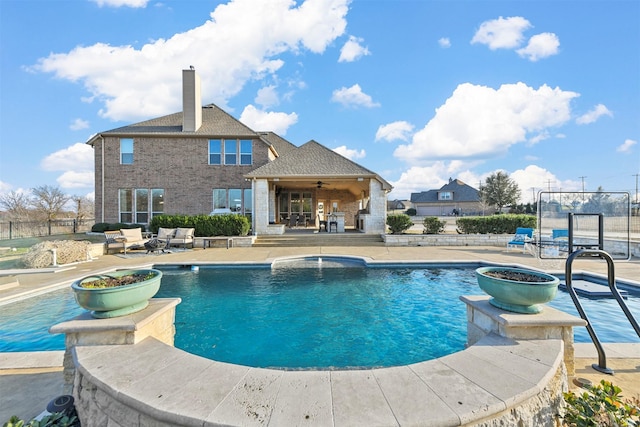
x,y
479,121
267,97
76,156
626,146
5,187
502,33
120,3
260,120
399,130
594,114
540,46
353,97
349,153
79,124
534,179
76,179
139,83
76,163
353,50
444,42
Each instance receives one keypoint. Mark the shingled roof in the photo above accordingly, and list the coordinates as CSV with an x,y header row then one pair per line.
x,y
215,123
312,160
280,144
460,191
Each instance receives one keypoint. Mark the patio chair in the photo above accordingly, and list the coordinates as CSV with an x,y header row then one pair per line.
x,y
560,239
521,239
293,220
183,236
302,221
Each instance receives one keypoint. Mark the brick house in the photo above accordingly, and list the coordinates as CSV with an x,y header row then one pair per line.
x,y
453,198
202,159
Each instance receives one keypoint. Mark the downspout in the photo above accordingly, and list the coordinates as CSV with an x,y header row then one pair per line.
x,y
102,179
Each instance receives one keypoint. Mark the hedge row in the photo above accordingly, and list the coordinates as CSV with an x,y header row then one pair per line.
x,y
101,227
205,225
495,224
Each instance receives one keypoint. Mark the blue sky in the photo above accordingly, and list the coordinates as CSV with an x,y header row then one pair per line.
x,y
417,91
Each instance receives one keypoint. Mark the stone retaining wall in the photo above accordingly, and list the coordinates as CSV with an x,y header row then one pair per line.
x,y
446,239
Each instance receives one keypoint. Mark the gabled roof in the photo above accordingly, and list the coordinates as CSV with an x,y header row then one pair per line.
x,y
280,144
215,123
313,160
461,193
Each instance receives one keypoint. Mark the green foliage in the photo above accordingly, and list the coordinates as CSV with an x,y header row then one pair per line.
x,y
57,419
499,190
398,223
600,405
411,212
432,225
205,225
101,227
495,224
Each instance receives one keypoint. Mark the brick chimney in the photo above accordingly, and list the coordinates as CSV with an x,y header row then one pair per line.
x,y
191,101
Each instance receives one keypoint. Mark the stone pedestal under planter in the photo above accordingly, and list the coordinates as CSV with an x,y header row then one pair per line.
x,y
157,320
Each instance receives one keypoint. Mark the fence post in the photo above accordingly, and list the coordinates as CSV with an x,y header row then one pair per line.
x,y
49,226
75,228
10,229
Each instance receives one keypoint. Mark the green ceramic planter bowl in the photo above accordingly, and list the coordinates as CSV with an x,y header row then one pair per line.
x,y
120,300
519,297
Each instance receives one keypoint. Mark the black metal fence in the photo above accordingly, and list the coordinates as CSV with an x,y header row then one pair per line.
x,y
23,229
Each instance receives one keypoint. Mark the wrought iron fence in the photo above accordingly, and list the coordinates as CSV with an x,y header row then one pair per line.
x,y
22,229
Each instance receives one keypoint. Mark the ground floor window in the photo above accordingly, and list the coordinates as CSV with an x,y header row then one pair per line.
x,y
139,205
237,200
295,203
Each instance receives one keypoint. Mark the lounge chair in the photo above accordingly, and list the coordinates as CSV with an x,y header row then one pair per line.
x,y
183,237
560,239
125,238
521,239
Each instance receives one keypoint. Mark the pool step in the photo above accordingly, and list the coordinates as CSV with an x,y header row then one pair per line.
x,y
594,290
319,239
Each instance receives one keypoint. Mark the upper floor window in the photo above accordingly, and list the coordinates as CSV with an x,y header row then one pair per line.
x,y
230,154
215,152
445,195
126,151
246,152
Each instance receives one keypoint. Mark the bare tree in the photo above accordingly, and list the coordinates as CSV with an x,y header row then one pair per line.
x,y
83,208
48,201
16,205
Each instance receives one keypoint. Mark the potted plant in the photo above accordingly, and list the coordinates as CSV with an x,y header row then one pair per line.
x,y
117,294
517,289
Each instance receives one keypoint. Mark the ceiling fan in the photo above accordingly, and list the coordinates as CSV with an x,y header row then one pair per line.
x,y
320,184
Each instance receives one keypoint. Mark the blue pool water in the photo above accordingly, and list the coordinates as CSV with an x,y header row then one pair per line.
x,y
309,317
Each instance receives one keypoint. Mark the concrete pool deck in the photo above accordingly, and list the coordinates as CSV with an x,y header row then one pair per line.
x,y
18,373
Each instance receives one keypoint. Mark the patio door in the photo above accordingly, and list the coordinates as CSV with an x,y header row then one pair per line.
x,y
295,203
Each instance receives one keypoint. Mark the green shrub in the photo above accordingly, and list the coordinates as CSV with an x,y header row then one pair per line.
x,y
495,224
100,227
432,225
205,225
600,405
398,223
411,212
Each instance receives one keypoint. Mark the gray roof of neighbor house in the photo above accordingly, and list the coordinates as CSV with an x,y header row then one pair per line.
x,y
313,160
460,191
215,123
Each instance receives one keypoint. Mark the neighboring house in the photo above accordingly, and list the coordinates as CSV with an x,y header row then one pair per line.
x,y
396,205
454,198
203,159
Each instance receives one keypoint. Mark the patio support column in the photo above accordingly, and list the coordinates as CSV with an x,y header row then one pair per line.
x,y
261,207
377,207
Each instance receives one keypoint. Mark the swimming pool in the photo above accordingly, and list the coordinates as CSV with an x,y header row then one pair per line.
x,y
348,316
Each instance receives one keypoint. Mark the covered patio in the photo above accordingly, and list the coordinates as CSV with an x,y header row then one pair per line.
x,y
316,188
